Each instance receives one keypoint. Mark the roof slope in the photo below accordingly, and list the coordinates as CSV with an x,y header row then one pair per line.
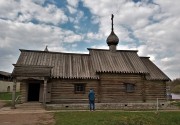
x,y
122,61
154,72
85,66
64,65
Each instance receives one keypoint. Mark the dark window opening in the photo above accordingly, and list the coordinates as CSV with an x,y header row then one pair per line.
x,y
79,88
130,87
33,91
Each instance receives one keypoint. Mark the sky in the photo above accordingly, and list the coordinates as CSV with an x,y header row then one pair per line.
x,y
150,26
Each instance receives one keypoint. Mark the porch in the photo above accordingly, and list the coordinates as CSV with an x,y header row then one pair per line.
x,y
34,86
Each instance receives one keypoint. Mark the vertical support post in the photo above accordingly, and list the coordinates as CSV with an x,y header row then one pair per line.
x,y
14,94
44,92
157,106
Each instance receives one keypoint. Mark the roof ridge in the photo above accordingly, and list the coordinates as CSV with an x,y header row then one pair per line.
x,y
144,57
23,50
116,50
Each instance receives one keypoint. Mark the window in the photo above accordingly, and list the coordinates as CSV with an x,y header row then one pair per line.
x,y
79,88
130,87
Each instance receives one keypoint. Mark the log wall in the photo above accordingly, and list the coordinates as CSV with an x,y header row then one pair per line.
x,y
63,91
23,91
113,89
109,89
154,90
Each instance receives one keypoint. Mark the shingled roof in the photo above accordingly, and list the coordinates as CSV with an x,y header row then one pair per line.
x,y
86,66
121,61
64,65
154,72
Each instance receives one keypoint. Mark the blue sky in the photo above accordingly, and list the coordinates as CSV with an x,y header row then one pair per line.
x,y
150,26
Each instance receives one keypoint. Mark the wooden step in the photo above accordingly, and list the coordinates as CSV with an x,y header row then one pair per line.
x,y
30,106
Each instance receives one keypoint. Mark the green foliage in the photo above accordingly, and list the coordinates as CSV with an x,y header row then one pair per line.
x,y
175,86
176,89
117,118
7,95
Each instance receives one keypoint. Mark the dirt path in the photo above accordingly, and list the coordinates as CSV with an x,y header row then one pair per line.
x,y
2,103
27,119
20,117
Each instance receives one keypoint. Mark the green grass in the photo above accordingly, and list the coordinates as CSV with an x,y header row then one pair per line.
x,y
7,95
117,118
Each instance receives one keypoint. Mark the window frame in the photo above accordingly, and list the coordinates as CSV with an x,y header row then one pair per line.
x,y
130,87
78,89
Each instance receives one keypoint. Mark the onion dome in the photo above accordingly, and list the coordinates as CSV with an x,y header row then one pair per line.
x,y
112,38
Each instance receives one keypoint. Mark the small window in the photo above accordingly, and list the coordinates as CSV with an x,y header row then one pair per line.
x,y
79,88
130,87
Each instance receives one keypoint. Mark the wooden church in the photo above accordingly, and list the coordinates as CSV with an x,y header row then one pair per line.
x,y
117,76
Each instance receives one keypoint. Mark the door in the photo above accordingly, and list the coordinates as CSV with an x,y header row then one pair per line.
x,y
33,91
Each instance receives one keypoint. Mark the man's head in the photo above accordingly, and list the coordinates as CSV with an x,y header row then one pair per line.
x,y
91,90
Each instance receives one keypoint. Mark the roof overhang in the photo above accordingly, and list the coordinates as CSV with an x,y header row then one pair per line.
x,y
31,71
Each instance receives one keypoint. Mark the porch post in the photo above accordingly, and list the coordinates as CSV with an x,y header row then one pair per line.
x,y
14,94
44,92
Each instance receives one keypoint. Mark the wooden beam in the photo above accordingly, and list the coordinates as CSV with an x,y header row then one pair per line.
x,y
44,92
27,78
14,95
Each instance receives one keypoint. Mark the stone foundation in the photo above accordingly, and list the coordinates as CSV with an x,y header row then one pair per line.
x,y
111,106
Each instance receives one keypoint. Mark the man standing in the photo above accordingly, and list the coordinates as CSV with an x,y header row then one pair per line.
x,y
91,97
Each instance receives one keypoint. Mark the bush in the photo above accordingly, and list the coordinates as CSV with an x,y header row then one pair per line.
x,y
176,89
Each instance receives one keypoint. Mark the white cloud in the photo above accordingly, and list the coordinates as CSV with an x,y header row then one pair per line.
x,y
70,37
21,34
154,26
48,14
73,3
8,9
71,9
17,35
96,36
27,10
168,6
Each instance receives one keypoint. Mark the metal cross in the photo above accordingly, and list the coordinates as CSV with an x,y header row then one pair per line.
x,y
112,21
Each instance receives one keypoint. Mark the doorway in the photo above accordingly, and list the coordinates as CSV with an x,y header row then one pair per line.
x,y
33,91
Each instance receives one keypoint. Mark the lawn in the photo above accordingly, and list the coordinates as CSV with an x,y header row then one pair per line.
x,y
117,118
7,95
